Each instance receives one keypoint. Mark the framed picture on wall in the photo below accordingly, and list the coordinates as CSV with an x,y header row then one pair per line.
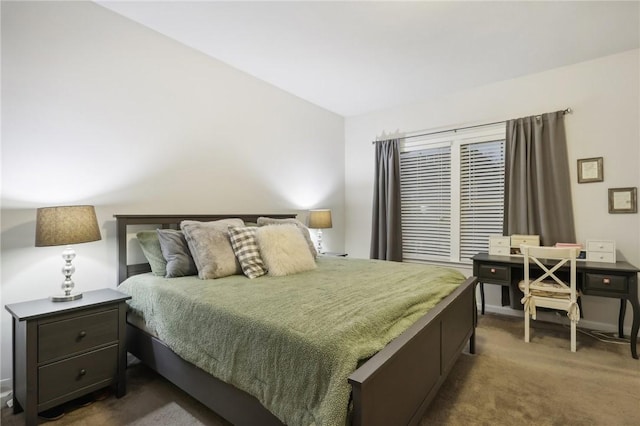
x,y
623,200
590,170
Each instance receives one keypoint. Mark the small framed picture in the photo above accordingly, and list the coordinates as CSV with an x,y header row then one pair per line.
x,y
623,200
590,170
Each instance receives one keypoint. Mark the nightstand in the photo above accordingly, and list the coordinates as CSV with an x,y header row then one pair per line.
x,y
64,350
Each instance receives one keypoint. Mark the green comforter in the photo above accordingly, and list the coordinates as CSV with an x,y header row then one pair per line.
x,y
291,341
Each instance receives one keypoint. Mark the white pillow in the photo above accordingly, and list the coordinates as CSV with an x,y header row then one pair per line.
x,y
284,250
264,221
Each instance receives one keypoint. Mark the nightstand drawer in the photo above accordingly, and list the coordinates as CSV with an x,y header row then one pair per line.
x,y
60,338
61,378
607,283
495,274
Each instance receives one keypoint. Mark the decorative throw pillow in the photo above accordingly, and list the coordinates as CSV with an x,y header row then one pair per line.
x,y
176,252
211,248
303,229
284,250
151,248
245,246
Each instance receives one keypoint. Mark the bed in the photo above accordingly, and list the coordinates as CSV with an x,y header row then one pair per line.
x,y
383,387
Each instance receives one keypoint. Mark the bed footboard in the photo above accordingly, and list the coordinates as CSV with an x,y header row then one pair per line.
x,y
396,385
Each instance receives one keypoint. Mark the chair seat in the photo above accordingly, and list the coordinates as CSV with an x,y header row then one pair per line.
x,y
539,298
553,294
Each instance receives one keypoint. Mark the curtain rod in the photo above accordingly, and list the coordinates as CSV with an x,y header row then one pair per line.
x,y
565,111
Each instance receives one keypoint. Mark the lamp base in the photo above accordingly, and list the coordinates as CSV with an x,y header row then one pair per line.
x,y
66,298
319,242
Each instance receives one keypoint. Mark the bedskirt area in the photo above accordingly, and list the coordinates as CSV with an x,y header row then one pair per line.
x,y
291,341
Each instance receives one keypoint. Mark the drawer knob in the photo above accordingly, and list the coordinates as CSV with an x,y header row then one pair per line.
x,y
606,281
82,334
493,270
82,372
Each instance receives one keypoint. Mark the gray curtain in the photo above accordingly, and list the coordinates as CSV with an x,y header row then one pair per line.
x,y
537,183
386,228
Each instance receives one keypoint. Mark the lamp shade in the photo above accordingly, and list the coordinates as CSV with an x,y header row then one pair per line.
x,y
56,226
320,219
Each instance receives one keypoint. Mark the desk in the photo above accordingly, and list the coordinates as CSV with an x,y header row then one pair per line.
x,y
615,280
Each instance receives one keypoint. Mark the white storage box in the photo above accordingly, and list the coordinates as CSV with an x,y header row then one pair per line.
x,y
528,240
601,251
499,245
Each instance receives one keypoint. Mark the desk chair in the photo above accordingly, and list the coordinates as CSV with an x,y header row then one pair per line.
x,y
549,291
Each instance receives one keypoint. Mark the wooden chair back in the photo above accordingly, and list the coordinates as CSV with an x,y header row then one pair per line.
x,y
563,256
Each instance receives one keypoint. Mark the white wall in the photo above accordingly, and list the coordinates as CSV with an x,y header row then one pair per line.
x,y
100,110
605,97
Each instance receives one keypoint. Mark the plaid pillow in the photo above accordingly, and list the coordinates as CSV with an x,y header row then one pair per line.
x,y
245,246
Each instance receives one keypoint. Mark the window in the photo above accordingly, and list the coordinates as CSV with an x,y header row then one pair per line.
x,y
452,193
425,198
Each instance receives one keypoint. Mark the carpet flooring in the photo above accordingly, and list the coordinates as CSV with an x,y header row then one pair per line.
x,y
507,382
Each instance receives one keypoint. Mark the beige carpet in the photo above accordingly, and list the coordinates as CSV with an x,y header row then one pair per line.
x,y
510,382
507,382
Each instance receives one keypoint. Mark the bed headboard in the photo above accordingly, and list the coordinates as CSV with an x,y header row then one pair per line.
x,y
123,221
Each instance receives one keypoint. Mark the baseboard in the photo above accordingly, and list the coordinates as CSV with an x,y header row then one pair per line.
x,y
555,318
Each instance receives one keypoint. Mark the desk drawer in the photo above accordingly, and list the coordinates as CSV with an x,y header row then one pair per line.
x,y
606,283
494,274
60,338
61,378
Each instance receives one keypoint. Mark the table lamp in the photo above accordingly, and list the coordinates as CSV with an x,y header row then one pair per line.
x,y
66,225
320,219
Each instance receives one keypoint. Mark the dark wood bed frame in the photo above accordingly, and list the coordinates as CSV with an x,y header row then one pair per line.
x,y
394,387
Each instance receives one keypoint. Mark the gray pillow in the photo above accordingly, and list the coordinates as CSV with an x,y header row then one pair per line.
x,y
176,252
305,231
151,248
211,248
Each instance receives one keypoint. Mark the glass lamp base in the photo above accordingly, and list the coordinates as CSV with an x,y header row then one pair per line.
x,y
66,298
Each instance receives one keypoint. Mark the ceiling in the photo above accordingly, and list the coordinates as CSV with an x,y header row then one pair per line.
x,y
356,57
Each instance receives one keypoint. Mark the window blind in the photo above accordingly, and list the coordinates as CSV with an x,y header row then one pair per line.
x,y
481,195
425,188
